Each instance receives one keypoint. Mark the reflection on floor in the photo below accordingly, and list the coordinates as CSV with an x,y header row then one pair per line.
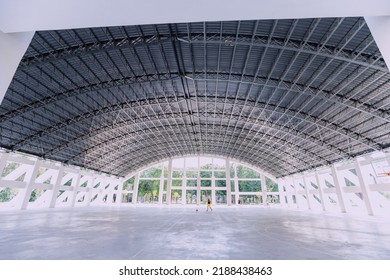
x,y
183,233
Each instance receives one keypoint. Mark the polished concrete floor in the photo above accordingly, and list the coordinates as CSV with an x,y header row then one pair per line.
x,y
182,233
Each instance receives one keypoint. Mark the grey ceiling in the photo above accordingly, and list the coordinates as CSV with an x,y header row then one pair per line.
x,y
284,95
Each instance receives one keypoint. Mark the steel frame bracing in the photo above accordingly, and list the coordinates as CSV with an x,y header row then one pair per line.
x,y
286,96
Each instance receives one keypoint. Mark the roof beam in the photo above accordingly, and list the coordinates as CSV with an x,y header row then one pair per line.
x,y
27,15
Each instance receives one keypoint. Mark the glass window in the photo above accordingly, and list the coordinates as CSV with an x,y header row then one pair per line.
x,y
177,174
192,163
249,186
192,183
177,183
271,185
220,197
153,172
246,172
220,183
148,191
191,197
219,163
192,174
205,183
205,174
176,196
219,174
205,163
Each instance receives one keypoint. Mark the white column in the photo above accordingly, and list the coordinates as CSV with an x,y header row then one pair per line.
x,y
339,191
169,183
12,48
89,189
364,188
161,189
281,193
56,186
263,189
30,185
3,162
198,196
228,184
308,195
320,191
135,189
184,184
118,200
75,190
380,28
236,188
297,198
213,188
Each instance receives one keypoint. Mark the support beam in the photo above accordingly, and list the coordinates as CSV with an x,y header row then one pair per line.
x,y
264,189
364,188
320,190
76,187
308,195
228,184
56,187
30,186
135,188
169,185
380,28
12,49
161,187
339,191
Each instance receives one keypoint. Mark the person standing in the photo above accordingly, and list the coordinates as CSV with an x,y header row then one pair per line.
x,y
209,204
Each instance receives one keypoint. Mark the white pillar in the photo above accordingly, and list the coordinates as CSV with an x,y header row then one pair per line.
x,y
198,196
118,200
213,188
75,190
308,195
135,189
364,188
281,193
320,191
161,189
236,188
30,185
12,48
184,183
169,186
3,162
228,184
339,191
263,188
56,186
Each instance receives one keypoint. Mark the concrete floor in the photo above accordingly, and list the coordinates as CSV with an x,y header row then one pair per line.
x,y
182,233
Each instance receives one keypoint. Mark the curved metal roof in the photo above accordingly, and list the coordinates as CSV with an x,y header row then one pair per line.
x,y
284,95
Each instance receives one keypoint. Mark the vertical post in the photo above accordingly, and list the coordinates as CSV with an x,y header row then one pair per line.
x,y
339,191
12,46
281,193
364,188
236,188
89,189
75,190
161,189
3,162
308,195
184,184
263,189
228,184
213,188
30,185
169,186
118,200
297,198
56,187
320,191
135,190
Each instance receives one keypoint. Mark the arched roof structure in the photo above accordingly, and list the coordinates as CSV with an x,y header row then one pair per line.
x,y
285,95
